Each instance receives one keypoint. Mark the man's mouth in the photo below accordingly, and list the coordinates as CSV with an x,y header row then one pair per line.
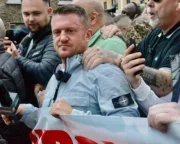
x,y
32,25
63,47
151,14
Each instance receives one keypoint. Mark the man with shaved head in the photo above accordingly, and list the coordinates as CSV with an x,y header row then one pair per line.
x,y
123,22
95,12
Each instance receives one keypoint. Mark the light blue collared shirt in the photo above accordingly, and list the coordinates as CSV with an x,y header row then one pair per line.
x,y
101,91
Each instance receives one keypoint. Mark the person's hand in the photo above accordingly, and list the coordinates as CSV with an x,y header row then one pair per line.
x,y
10,47
20,111
132,63
40,97
61,107
7,43
161,115
13,51
109,31
39,92
38,88
95,56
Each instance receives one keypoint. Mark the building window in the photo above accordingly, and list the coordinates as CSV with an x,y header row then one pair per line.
x,y
13,2
128,1
112,1
62,2
14,26
105,5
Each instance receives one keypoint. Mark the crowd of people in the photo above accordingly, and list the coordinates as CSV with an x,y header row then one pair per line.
x,y
78,63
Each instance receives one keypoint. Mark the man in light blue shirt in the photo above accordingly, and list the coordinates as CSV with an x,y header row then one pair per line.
x,y
102,91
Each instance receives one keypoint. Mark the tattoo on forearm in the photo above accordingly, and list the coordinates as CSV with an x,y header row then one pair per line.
x,y
155,78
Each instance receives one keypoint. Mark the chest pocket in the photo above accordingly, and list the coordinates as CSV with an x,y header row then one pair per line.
x,y
77,99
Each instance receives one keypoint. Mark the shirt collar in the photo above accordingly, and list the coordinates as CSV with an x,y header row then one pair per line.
x,y
170,33
71,63
94,38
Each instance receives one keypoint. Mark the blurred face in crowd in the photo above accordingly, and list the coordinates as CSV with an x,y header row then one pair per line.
x,y
161,12
70,35
36,14
129,10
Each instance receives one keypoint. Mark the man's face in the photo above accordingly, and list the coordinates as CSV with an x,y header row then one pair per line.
x,y
160,12
69,35
36,14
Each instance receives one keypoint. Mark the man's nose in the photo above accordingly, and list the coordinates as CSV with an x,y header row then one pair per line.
x,y
64,38
31,18
150,3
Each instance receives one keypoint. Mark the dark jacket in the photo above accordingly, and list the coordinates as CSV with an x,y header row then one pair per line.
x,y
37,66
10,74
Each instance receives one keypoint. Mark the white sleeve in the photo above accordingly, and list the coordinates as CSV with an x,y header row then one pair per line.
x,y
147,98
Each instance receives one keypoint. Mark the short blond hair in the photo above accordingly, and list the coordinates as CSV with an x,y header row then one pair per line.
x,y
73,9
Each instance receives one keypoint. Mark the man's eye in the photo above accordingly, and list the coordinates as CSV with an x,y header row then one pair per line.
x,y
70,31
56,33
36,14
25,14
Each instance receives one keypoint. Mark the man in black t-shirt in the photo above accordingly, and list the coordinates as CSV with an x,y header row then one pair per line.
x,y
154,85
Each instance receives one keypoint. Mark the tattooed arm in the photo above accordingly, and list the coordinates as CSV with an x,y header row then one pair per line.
x,y
160,80
95,56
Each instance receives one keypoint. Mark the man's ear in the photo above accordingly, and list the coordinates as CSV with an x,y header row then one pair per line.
x,y
50,11
93,18
88,34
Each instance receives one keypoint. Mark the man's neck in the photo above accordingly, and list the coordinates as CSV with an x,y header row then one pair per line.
x,y
41,30
96,27
63,63
167,28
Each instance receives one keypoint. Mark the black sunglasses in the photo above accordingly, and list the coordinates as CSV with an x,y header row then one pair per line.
x,y
157,1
